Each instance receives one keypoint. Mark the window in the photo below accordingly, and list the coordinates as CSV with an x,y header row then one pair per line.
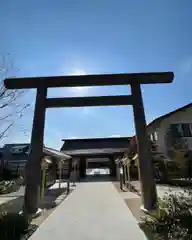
x,y
175,130
151,137
155,136
186,131
181,130
18,149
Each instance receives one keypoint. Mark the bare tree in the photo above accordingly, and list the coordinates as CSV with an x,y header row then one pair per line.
x,y
11,107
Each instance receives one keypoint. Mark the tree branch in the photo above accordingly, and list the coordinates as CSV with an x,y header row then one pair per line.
x,y
9,106
2,134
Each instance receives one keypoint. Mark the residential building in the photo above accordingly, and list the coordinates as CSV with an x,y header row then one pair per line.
x,y
14,157
172,131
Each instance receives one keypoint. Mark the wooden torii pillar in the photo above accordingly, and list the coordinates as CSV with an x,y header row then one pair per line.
x,y
149,196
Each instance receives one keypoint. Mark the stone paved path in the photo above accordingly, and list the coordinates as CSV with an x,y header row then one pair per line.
x,y
94,211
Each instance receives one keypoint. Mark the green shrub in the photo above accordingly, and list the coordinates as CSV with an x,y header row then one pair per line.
x,y
11,185
5,185
173,220
12,226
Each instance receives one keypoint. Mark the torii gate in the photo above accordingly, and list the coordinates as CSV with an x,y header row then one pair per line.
x,y
41,84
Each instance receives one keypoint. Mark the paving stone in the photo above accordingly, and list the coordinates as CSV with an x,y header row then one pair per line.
x,y
93,211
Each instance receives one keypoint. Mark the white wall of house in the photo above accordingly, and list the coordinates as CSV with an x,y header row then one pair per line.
x,y
184,116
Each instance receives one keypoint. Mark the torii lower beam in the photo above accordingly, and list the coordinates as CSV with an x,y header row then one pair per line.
x,y
89,101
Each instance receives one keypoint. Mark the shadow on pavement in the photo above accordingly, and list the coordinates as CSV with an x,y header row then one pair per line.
x,y
13,206
53,197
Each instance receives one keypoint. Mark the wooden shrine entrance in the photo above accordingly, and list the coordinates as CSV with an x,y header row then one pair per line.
x,y
149,196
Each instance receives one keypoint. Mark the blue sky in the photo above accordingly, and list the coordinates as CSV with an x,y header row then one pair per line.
x,y
98,36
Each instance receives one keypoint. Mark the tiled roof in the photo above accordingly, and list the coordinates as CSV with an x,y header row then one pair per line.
x,y
95,143
25,148
95,151
56,153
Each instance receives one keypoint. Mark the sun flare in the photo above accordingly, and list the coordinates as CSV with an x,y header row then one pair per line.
x,y
78,73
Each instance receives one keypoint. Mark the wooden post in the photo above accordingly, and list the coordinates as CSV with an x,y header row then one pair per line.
x,y
125,173
148,187
69,175
33,166
117,169
43,183
82,167
121,174
60,168
128,175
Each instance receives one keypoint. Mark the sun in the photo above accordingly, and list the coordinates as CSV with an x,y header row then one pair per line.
x,y
79,72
